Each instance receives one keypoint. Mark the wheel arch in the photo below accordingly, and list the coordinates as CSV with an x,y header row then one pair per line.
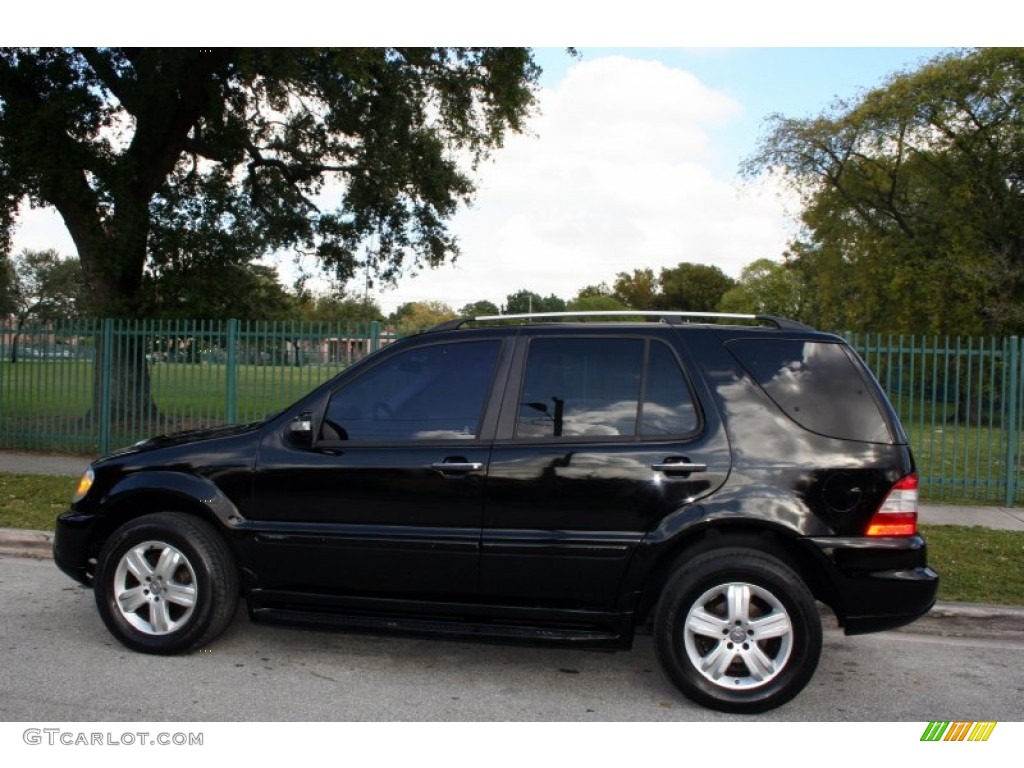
x,y
755,535
144,493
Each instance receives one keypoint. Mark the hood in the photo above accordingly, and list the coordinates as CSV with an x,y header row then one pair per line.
x,y
187,437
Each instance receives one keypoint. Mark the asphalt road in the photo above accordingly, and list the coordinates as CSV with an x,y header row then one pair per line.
x,y
58,663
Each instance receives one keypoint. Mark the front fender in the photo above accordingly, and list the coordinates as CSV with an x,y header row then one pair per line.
x,y
192,489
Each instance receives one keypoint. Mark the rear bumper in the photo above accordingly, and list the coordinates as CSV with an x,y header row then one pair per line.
x,y
71,539
877,583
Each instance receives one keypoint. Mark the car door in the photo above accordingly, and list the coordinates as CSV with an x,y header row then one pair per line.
x,y
388,499
602,438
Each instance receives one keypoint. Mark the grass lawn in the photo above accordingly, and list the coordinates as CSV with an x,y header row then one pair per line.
x,y
33,501
977,565
43,405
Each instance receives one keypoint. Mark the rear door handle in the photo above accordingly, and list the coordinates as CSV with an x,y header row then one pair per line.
x,y
457,465
680,465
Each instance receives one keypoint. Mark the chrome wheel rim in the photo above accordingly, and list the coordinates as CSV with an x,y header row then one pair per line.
x,y
738,636
155,588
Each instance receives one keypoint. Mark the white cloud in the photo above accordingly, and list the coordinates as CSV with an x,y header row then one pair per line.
x,y
616,175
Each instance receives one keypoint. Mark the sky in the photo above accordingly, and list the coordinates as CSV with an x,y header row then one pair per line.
x,y
631,161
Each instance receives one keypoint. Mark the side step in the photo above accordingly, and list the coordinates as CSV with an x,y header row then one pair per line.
x,y
591,638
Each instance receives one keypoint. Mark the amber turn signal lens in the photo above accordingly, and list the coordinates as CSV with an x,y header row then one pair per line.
x,y
83,485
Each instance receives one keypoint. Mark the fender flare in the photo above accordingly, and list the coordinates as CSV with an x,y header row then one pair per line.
x,y
194,489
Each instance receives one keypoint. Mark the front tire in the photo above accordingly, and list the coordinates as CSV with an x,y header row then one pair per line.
x,y
166,583
738,631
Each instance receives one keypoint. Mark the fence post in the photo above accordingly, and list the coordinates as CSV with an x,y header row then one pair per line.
x,y
1011,455
231,363
374,335
106,363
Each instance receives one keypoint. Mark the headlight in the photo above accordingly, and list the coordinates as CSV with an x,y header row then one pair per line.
x,y
83,485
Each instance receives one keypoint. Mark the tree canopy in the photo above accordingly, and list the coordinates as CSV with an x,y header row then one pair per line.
x,y
766,287
692,287
913,199
523,301
637,290
157,158
169,160
37,285
481,308
40,285
421,315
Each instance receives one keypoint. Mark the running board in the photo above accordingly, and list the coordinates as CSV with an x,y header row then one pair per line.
x,y
591,638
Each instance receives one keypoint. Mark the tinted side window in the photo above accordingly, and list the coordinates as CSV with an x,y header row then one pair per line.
x,y
435,392
592,387
668,406
581,387
817,384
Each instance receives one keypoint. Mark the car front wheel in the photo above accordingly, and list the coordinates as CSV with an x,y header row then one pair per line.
x,y
166,583
738,631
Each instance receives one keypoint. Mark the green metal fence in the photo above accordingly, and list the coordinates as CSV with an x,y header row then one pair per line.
x,y
960,399
59,388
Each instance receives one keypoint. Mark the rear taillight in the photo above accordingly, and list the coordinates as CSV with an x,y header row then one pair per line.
x,y
898,514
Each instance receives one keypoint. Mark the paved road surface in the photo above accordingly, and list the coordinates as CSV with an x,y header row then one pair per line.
x,y
59,663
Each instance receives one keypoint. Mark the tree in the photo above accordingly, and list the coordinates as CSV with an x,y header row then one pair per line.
x,y
524,301
913,199
692,287
595,298
226,154
766,287
595,304
421,315
219,292
337,309
41,285
8,287
638,290
593,291
481,308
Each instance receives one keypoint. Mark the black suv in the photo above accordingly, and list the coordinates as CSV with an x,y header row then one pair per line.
x,y
532,479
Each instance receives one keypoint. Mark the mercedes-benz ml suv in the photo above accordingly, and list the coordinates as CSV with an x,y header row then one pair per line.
x,y
533,479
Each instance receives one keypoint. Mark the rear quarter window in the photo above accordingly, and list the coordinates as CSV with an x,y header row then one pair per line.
x,y
821,386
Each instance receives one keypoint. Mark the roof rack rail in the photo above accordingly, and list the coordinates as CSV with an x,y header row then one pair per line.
x,y
670,317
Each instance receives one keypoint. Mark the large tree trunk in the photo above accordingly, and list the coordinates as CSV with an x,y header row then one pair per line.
x,y
122,387
122,403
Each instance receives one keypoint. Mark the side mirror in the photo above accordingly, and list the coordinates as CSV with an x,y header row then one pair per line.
x,y
300,431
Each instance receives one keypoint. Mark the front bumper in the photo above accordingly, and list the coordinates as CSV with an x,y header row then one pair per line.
x,y
71,538
876,583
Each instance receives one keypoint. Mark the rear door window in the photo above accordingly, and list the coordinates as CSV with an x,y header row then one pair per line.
x,y
595,387
819,385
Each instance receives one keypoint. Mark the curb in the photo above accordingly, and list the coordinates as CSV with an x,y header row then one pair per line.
x,y
16,542
952,610
22,543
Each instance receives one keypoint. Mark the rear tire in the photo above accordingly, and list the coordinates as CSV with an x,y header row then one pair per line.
x,y
166,583
737,630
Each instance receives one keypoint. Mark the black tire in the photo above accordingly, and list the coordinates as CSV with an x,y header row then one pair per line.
x,y
158,564
737,630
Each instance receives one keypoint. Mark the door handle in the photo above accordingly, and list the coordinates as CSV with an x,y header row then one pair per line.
x,y
680,465
457,465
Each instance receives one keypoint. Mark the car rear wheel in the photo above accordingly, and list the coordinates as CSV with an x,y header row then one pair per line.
x,y
738,631
166,583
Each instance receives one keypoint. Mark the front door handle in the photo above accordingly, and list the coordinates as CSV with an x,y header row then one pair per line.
x,y
680,465
457,465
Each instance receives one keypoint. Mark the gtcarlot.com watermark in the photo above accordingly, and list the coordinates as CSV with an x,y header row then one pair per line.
x,y
60,737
